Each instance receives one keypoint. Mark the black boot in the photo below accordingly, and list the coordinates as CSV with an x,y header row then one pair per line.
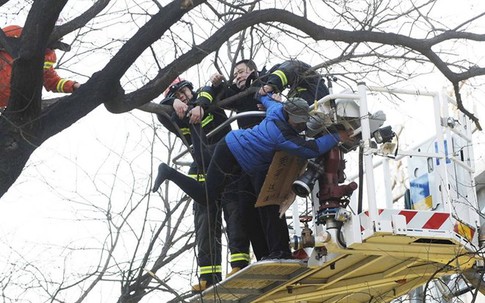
x,y
164,172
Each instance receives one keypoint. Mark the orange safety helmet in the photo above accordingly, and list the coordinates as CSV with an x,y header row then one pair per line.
x,y
13,31
177,84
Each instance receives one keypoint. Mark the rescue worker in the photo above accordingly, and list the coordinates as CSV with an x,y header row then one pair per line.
x,y
251,151
245,76
52,81
192,112
298,77
195,116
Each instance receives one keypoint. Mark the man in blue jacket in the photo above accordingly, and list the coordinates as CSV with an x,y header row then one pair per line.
x,y
251,151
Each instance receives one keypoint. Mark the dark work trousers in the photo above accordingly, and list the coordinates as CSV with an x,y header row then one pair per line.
x,y
237,233
223,169
238,241
275,229
251,217
207,223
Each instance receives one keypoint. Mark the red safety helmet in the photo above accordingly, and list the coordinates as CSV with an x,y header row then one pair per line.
x,y
176,85
12,31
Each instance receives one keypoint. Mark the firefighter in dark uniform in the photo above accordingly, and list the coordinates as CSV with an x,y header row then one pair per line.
x,y
194,116
245,76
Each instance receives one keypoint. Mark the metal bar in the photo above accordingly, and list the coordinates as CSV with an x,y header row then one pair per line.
x,y
440,139
401,91
327,98
462,164
369,171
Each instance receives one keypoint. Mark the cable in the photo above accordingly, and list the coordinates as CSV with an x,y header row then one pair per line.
x,y
361,179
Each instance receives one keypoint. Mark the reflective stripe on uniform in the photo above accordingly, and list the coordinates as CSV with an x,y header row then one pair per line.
x,y
198,177
282,76
48,64
206,95
207,120
211,269
240,257
60,85
297,91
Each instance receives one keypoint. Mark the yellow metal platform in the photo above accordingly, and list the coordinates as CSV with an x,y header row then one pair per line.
x,y
378,270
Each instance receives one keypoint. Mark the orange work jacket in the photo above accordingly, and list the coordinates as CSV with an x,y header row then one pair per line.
x,y
52,81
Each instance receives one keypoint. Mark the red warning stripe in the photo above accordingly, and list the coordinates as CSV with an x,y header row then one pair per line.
x,y
414,218
436,220
408,214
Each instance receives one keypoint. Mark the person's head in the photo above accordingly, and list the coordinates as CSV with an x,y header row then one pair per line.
x,y
180,89
242,70
297,110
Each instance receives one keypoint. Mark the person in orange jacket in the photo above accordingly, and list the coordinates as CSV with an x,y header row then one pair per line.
x,y
52,81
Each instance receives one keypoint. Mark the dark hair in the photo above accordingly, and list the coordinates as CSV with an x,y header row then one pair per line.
x,y
249,63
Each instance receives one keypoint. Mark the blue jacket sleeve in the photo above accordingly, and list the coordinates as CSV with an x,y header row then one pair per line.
x,y
309,149
269,102
327,142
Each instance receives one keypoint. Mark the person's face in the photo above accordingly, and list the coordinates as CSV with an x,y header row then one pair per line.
x,y
241,73
184,94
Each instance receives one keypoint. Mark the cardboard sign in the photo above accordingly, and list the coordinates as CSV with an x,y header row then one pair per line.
x,y
276,190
